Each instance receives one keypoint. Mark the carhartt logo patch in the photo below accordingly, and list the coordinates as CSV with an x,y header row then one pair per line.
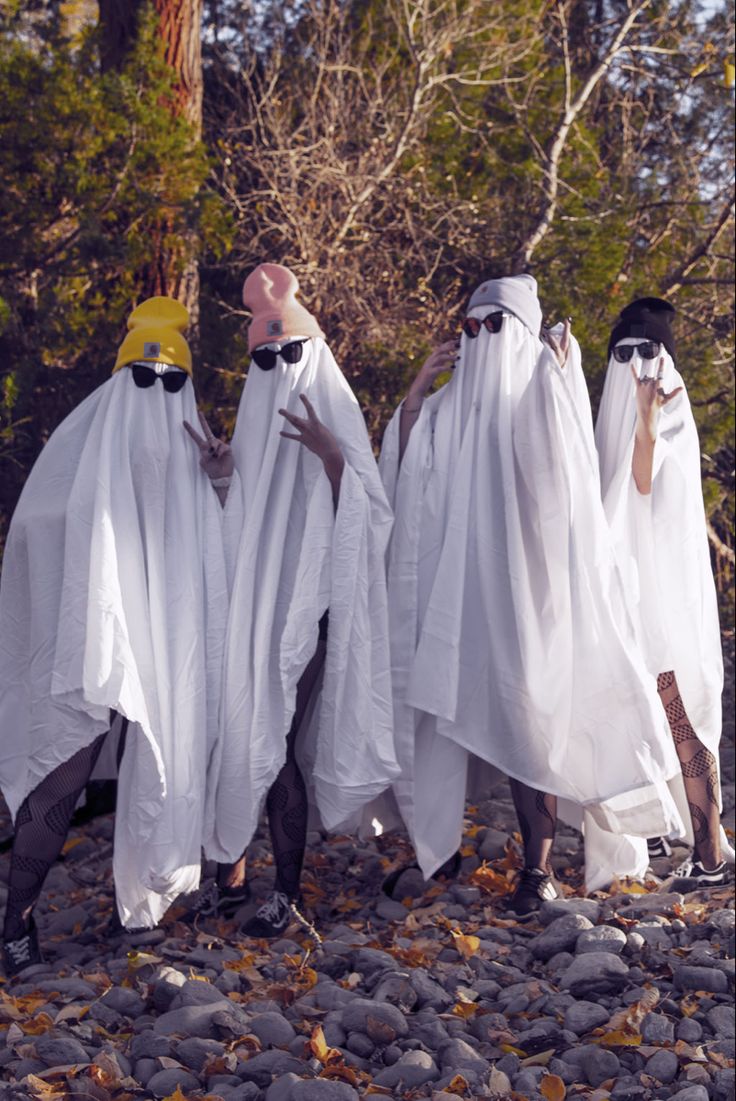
x,y
151,349
274,328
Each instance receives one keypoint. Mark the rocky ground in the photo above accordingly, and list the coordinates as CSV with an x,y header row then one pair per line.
x,y
434,994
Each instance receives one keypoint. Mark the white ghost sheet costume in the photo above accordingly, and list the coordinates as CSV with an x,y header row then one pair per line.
x,y
114,597
295,558
662,546
509,639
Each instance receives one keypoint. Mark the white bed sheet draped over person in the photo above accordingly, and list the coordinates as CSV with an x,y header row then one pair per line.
x,y
114,599
295,556
507,636
662,546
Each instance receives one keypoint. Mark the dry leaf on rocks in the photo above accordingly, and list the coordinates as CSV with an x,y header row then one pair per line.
x,y
459,1086
378,1031
552,1088
466,945
541,1059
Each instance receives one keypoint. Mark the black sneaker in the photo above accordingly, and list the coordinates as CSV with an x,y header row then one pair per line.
x,y
533,888
704,877
274,918
212,901
658,847
23,953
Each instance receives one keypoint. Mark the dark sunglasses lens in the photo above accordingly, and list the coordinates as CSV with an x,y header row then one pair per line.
x,y
623,353
173,381
471,327
493,322
649,349
143,376
265,358
292,353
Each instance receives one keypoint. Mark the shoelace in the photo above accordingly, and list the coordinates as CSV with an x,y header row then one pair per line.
x,y
279,907
19,950
276,909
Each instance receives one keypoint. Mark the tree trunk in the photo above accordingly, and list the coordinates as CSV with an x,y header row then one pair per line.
x,y
171,271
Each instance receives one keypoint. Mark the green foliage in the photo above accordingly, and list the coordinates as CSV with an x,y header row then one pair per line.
x,y
99,178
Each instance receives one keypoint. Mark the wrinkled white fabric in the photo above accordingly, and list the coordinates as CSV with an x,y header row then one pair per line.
x,y
114,597
662,545
296,557
509,641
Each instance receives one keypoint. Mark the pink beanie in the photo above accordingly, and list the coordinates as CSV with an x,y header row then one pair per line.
x,y
269,292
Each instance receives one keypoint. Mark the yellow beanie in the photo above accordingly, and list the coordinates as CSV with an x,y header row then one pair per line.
x,y
155,334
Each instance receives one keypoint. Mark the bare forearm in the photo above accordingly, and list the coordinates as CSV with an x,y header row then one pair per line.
x,y
334,466
410,411
642,461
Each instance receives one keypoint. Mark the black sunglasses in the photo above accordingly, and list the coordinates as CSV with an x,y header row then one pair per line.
x,y
144,377
649,349
265,358
492,322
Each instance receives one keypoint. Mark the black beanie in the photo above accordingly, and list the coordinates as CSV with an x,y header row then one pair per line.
x,y
648,318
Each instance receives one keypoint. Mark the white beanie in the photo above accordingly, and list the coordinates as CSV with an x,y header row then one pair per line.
x,y
515,293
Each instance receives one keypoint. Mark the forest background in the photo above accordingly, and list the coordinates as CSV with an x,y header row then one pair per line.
x,y
392,153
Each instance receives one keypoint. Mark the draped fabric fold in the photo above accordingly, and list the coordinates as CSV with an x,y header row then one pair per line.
x,y
509,636
114,598
297,557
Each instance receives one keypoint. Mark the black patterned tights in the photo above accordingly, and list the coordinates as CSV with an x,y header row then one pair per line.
x,y
41,826
286,802
699,773
537,814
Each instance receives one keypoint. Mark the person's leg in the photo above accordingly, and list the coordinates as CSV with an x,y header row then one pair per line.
x,y
699,773
286,803
537,814
41,826
288,812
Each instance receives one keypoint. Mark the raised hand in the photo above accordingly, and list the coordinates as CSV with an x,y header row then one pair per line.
x,y
651,397
560,347
318,439
442,358
215,456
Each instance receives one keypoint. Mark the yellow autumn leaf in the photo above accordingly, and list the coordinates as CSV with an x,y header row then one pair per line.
x,y
627,887
318,1044
466,1010
71,844
510,1049
177,1095
466,945
619,1038
553,1088
136,960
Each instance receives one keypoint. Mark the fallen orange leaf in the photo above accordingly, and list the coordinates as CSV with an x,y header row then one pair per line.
x,y
553,1088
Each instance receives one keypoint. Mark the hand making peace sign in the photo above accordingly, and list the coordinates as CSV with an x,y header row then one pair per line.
x,y
215,456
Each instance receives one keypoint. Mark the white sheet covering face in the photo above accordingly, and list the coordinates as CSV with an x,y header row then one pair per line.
x,y
506,610
662,545
114,596
295,558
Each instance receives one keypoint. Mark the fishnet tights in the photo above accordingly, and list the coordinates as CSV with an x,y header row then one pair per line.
x,y
537,814
41,826
699,773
